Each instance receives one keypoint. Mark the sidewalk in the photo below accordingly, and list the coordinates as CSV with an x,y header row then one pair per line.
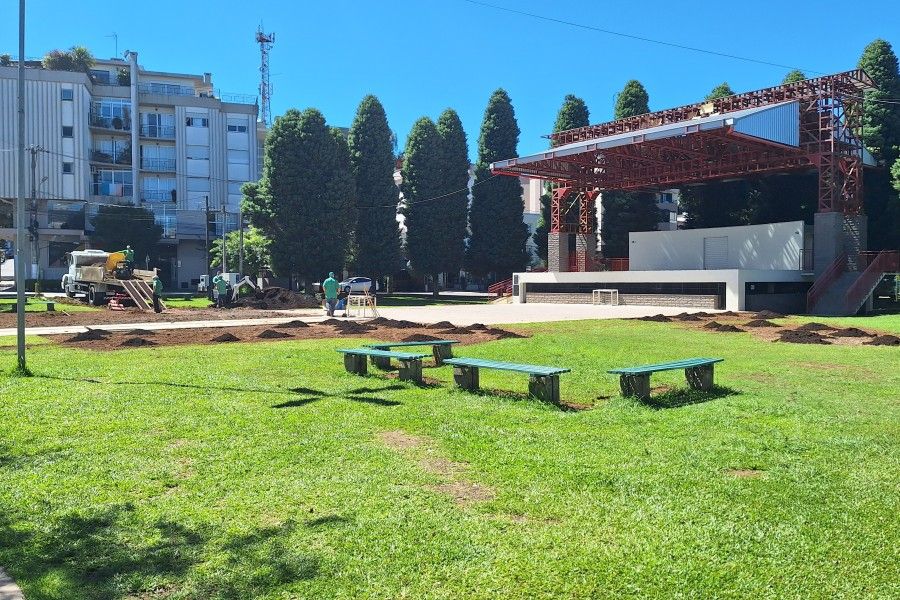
x,y
8,588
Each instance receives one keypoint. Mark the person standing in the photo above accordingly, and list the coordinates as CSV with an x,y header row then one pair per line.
x,y
221,290
330,286
157,292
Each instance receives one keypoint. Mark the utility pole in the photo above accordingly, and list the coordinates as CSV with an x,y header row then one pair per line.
x,y
206,228
20,204
33,224
241,234
224,229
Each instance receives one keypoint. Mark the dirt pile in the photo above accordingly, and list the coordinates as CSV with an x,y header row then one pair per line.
x,y
141,332
656,319
381,321
813,326
722,327
688,317
797,336
271,334
768,314
441,325
349,327
295,324
276,298
761,323
91,335
226,337
420,337
458,331
884,340
503,334
850,332
712,325
478,327
402,324
137,342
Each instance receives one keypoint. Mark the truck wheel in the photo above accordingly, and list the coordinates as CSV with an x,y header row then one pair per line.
x,y
95,298
70,293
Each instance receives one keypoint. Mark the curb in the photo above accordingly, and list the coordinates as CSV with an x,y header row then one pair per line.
x,y
8,588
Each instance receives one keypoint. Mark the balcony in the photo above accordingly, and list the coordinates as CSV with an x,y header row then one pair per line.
x,y
114,156
158,195
116,190
122,123
158,165
166,89
158,132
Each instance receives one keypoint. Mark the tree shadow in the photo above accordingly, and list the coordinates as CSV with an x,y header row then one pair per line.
x,y
526,397
192,386
109,552
686,396
327,520
374,400
296,403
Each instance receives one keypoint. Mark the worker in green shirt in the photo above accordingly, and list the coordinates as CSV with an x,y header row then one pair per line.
x,y
129,255
157,292
221,290
330,286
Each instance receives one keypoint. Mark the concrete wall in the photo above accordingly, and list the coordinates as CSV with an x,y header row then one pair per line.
x,y
676,300
775,246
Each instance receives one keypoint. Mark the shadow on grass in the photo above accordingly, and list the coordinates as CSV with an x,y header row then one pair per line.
x,y
687,396
327,520
110,552
374,400
563,406
361,394
296,403
191,386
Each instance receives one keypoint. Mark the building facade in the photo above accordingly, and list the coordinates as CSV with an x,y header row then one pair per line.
x,y
167,142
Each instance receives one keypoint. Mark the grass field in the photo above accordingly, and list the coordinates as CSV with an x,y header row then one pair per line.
x,y
41,306
203,302
264,470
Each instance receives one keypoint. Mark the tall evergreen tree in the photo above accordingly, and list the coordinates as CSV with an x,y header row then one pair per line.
x,y
498,233
376,235
624,212
794,76
455,191
305,200
720,91
881,133
422,185
572,114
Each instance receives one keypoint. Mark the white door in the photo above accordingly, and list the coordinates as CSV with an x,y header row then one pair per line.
x,y
715,252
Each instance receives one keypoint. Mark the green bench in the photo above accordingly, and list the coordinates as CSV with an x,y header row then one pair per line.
x,y
440,349
410,364
543,382
635,381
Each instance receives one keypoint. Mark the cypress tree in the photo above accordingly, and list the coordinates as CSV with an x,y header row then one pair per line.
x,y
377,237
422,185
305,200
572,114
455,189
498,233
624,212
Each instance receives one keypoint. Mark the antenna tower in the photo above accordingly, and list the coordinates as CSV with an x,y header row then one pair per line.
x,y
265,41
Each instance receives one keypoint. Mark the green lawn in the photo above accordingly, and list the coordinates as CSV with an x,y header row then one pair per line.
x,y
201,302
239,471
889,323
415,300
41,306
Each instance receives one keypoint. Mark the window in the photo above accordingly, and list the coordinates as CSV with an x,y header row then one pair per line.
x,y
237,128
67,94
237,124
196,121
241,157
67,167
234,187
100,76
197,184
198,152
67,131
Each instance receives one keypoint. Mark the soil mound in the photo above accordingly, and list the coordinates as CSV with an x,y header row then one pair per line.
x,y
277,298
271,334
141,332
850,332
459,331
712,325
441,325
761,323
503,334
295,324
768,314
813,326
478,327
401,324
137,342
420,337
797,336
226,337
332,322
351,327
727,313
91,335
656,319
381,321
721,327
687,317
884,340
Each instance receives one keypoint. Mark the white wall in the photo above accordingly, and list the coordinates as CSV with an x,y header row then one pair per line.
x,y
772,246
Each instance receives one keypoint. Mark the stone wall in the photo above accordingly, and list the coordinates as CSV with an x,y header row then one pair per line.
x,y
676,300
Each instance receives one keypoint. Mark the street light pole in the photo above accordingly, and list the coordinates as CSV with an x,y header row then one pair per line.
x,y
224,229
20,198
241,234
206,228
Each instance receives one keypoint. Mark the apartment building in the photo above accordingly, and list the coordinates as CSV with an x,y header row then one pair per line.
x,y
167,142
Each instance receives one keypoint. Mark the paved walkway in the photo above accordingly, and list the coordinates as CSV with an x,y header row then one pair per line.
x,y
8,588
460,314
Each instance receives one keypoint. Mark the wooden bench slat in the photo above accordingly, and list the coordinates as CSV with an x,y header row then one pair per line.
x,y
669,366
382,353
406,344
505,366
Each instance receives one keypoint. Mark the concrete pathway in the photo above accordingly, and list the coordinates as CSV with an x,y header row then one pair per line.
x,y
8,588
462,314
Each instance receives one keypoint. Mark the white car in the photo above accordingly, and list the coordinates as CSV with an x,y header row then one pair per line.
x,y
357,285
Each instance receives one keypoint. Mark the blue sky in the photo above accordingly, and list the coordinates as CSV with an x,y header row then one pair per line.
x,y
421,56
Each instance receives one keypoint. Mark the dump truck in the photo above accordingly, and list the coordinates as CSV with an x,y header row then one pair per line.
x,y
104,277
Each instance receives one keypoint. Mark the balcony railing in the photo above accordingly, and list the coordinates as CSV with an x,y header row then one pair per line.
x,y
115,123
164,132
158,164
158,195
166,89
121,190
120,156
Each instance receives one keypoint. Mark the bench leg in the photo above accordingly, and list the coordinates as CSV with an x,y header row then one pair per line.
x,y
700,378
411,370
635,385
440,353
544,388
466,377
355,363
381,362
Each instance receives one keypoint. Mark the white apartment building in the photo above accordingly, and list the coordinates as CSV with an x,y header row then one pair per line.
x,y
168,142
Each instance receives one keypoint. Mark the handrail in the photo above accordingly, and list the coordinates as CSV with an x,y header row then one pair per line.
x,y
886,261
824,281
501,288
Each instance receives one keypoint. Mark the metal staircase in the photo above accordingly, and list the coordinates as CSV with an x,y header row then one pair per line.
x,y
844,287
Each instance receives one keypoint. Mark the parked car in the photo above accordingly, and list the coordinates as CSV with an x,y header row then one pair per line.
x,y
357,285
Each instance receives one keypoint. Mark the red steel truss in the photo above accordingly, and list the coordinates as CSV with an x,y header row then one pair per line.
x,y
831,111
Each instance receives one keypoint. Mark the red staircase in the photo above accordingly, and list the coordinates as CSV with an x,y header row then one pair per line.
x,y
824,281
501,288
876,265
